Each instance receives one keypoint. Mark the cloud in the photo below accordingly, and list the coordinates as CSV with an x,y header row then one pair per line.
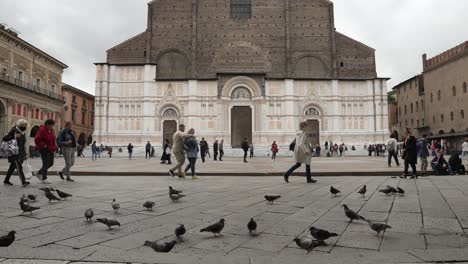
x,y
79,32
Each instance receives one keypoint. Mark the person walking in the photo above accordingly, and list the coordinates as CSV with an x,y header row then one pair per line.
x,y
274,150
410,154
326,145
465,149
148,150
94,150
245,148
302,153
215,149
109,151
251,148
178,150
45,143
166,155
392,150
203,149
423,153
130,150
18,132
67,141
191,147
221,150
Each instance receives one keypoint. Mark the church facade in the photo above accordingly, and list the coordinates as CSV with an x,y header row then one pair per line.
x,y
240,68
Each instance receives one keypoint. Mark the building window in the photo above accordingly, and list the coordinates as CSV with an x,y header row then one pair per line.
x,y
417,122
411,107
42,115
406,123
451,116
18,109
439,95
423,121
74,99
20,76
417,106
412,122
432,97
441,118
83,118
5,71
341,64
422,105
73,115
53,88
38,82
241,9
399,111
433,119
84,103
464,87
454,91
406,110
462,114
13,109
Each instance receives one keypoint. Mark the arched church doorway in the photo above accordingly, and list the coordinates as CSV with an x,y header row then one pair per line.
x,y
241,117
313,125
169,124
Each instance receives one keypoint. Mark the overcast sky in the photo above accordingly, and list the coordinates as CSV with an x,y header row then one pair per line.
x,y
79,32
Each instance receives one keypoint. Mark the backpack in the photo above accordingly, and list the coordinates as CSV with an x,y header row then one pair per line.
x,y
391,144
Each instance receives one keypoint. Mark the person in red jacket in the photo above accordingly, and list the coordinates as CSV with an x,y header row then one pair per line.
x,y
46,144
274,150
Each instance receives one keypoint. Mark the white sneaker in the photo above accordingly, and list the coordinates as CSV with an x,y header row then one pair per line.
x,y
45,182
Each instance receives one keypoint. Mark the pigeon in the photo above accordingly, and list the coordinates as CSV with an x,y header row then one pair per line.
x,y
32,197
115,206
378,227
174,191
400,191
63,195
334,191
51,196
27,208
363,191
149,205
175,197
7,240
24,199
252,226
308,244
386,191
214,228
108,222
179,232
89,214
47,189
321,234
272,198
351,214
163,247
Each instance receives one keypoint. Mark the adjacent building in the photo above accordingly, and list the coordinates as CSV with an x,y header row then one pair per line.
x,y
239,68
435,102
30,83
79,109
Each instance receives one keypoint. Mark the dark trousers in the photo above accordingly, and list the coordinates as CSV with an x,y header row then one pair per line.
x,y
203,155
148,154
221,154
393,154
297,165
15,165
413,166
245,155
273,155
215,155
460,169
47,162
191,165
251,154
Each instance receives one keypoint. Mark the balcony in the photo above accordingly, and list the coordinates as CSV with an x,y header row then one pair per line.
x,y
31,87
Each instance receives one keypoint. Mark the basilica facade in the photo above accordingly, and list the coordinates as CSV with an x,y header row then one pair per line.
x,y
240,68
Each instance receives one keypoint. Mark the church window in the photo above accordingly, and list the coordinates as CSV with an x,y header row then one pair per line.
x,y
462,114
454,91
411,107
417,106
241,9
241,93
442,118
341,64
464,87
451,116
312,111
439,95
170,113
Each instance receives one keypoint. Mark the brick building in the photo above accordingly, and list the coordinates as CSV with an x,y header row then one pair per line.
x,y
240,68
79,109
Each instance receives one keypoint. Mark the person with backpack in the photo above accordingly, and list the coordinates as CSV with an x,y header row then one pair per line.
x,y
191,149
423,153
18,132
67,141
274,150
94,150
392,150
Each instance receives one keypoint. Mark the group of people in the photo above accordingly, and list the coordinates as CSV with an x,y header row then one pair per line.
x,y
377,150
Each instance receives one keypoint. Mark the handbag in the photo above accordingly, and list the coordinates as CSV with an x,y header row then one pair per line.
x,y
292,146
27,170
9,148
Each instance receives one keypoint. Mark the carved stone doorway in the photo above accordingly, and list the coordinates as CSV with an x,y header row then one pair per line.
x,y
169,128
313,130
241,125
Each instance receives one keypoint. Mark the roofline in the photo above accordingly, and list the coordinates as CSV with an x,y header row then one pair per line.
x,y
124,64
128,40
69,87
355,40
405,81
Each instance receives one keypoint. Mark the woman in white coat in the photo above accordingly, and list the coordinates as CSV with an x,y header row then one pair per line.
x,y
302,153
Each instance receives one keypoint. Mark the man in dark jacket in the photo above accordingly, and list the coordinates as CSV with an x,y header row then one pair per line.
x,y
203,149
45,143
456,164
410,154
67,141
16,161
148,151
130,150
215,150
245,147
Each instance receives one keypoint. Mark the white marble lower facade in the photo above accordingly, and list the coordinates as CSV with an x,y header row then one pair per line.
x,y
131,106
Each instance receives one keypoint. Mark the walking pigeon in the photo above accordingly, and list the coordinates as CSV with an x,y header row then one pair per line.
x,y
179,231
163,247
27,208
47,189
334,191
215,228
400,191
7,240
115,206
308,244
108,222
363,190
24,199
272,198
378,227
63,195
175,197
32,197
321,234
50,196
89,214
149,205
174,191
252,226
351,214
386,191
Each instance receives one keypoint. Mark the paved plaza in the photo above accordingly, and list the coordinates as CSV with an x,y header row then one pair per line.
x,y
428,223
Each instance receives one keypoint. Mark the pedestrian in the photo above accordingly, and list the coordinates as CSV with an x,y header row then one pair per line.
x,y
410,154
130,150
46,144
109,152
148,150
221,150
274,150
318,150
101,149
67,141
251,148
152,151
215,149
191,148
302,153
94,151
456,164
17,132
245,148
392,150
79,151
341,149
178,150
166,155
465,149
326,145
439,165
423,153
203,149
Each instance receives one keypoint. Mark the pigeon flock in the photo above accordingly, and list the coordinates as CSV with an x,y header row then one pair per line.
x,y
318,236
